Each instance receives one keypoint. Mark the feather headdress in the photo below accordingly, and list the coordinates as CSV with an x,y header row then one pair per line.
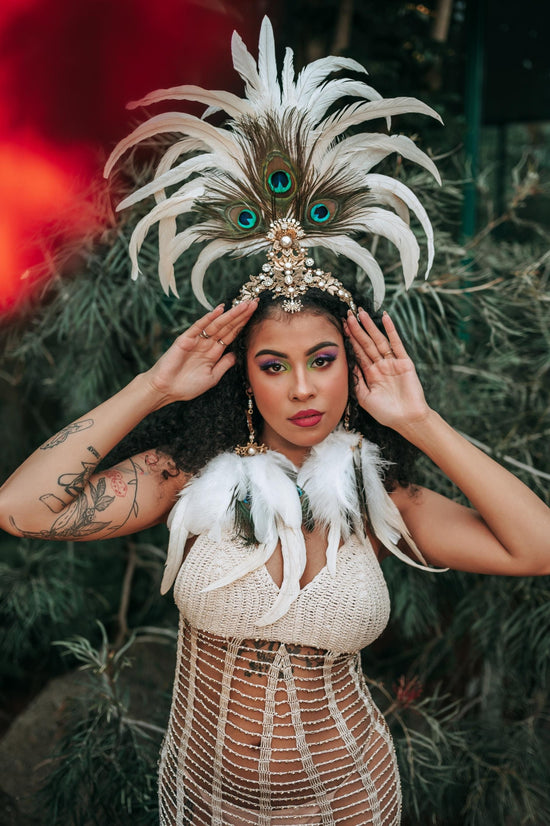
x,y
279,156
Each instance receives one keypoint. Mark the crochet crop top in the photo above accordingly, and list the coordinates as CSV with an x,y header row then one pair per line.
x,y
343,612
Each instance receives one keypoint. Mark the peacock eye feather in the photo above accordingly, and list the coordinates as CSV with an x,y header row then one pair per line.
x,y
279,182
279,176
244,217
247,219
322,211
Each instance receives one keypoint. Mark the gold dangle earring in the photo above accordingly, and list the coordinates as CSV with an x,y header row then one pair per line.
x,y
252,447
346,418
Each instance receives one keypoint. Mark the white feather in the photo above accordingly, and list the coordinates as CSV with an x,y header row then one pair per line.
x,y
182,241
273,501
230,103
293,550
333,90
181,147
210,110
333,126
245,65
382,222
365,150
386,521
204,506
383,187
328,477
343,245
166,233
218,139
212,251
213,495
267,65
273,494
176,544
178,174
168,208
288,95
383,196
316,72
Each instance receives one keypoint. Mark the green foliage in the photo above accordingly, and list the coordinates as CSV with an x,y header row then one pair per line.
x,y
43,595
104,766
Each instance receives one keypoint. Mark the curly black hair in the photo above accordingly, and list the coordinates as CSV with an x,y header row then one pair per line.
x,y
195,431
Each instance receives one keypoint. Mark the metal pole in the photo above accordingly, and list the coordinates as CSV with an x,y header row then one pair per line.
x,y
472,110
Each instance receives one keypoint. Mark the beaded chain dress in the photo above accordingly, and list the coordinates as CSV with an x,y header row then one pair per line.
x,y
271,720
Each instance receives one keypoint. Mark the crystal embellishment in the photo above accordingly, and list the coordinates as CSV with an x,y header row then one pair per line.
x,y
291,271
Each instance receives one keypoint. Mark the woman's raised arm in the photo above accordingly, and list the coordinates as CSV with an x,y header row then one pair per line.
x,y
507,530
56,493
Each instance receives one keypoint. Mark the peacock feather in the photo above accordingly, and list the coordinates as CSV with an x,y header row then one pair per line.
x,y
279,156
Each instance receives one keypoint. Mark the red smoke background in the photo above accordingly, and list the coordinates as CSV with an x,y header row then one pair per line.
x,y
67,69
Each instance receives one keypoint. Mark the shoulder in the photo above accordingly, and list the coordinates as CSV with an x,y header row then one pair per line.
x,y
406,497
160,465
158,477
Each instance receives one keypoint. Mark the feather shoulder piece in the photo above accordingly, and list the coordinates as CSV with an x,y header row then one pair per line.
x,y
342,480
278,157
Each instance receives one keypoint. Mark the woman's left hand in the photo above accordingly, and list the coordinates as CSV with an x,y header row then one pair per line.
x,y
387,385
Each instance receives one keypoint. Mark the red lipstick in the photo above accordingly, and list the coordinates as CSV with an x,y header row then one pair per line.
x,y
306,418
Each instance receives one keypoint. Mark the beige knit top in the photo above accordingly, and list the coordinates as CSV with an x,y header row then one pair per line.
x,y
345,612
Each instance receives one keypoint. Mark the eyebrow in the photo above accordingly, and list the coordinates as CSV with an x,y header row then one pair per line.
x,y
285,355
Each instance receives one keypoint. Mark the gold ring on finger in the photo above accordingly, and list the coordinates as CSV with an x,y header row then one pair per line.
x,y
222,342
388,354
204,334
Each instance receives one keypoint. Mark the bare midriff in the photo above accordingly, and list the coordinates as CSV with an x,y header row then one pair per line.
x,y
266,693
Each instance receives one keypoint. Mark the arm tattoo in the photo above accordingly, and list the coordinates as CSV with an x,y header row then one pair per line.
x,y
64,434
80,518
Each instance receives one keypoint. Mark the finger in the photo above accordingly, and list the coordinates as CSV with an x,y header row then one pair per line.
x,y
223,365
382,344
361,355
360,386
361,338
229,324
203,322
227,327
394,338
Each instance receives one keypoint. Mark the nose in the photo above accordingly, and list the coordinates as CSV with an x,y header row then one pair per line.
x,y
302,387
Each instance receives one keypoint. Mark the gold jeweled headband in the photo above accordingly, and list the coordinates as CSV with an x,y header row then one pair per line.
x,y
289,272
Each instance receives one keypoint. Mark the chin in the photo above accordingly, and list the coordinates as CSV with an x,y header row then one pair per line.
x,y
309,436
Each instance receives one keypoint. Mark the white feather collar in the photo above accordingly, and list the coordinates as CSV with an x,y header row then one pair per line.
x,y
269,482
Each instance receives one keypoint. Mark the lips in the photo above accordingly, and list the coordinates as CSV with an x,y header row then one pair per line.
x,y
306,418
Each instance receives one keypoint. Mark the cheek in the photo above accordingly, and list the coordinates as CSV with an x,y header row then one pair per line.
x,y
341,388
264,391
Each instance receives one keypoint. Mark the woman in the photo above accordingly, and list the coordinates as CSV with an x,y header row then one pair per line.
x,y
275,544
275,727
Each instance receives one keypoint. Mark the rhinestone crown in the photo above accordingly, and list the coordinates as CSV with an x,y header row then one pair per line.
x,y
289,272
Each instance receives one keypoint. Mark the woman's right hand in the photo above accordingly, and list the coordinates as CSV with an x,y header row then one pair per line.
x,y
197,360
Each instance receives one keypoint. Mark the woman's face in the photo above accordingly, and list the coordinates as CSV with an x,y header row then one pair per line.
x,y
298,371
